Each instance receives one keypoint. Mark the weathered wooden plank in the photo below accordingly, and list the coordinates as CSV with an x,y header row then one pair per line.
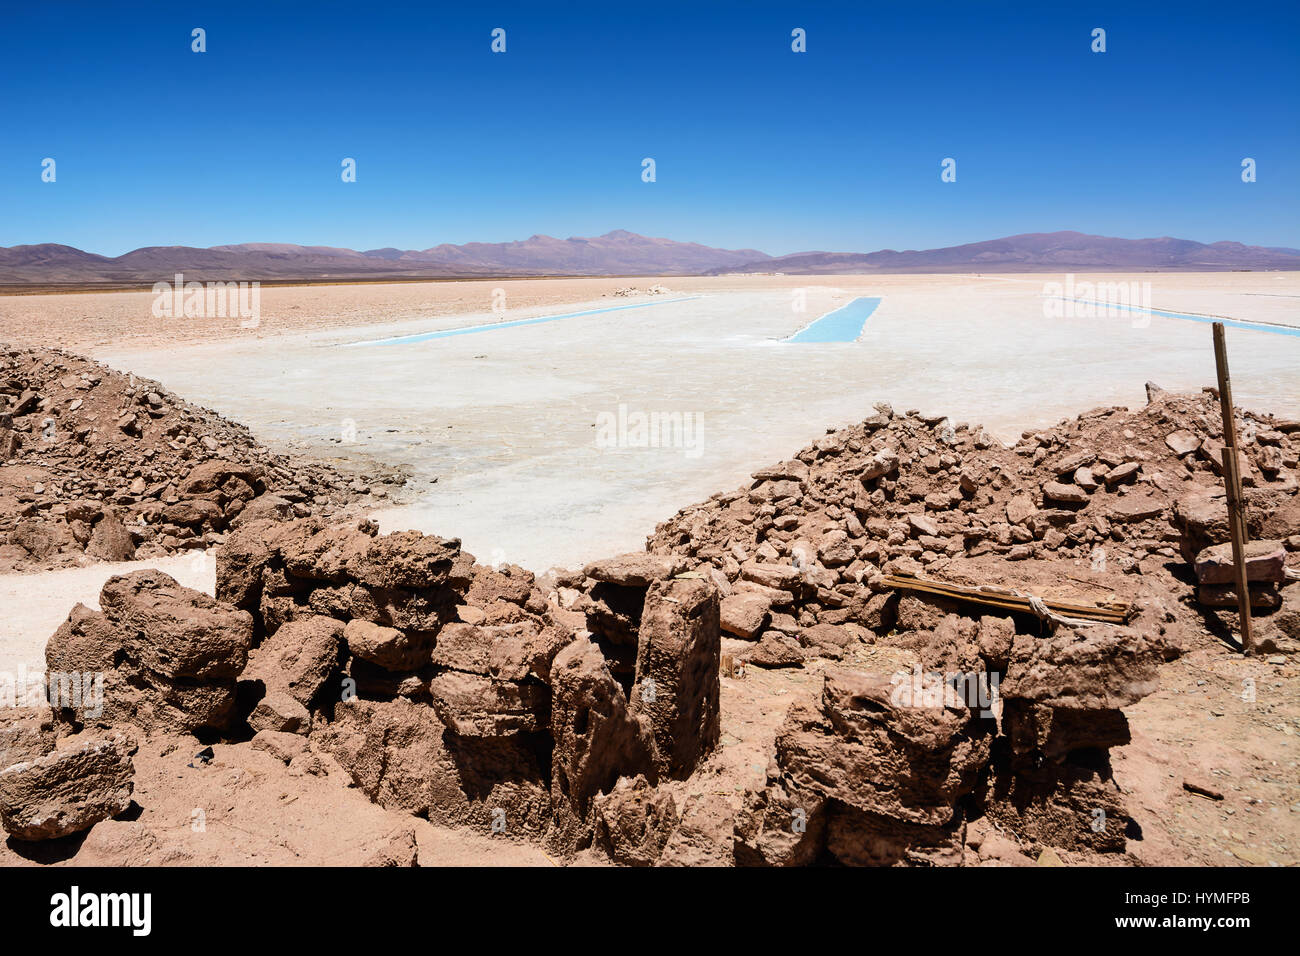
x,y
1112,612
1232,480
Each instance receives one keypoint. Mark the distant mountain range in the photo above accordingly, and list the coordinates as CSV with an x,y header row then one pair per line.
x,y
1040,252
614,254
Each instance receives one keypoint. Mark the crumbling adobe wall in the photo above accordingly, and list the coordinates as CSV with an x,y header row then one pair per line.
x,y
446,689
460,692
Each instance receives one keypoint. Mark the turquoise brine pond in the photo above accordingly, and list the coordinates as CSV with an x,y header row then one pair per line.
x,y
845,324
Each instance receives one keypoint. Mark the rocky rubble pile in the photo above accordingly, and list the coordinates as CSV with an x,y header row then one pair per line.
x,y
1111,492
98,465
630,290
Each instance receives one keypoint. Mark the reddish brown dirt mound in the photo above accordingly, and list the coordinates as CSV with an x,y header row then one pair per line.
x,y
97,465
1110,503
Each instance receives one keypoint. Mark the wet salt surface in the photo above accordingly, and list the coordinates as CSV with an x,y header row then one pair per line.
x,y
507,423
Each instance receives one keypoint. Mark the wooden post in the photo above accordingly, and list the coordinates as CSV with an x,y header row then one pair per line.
x,y
1232,481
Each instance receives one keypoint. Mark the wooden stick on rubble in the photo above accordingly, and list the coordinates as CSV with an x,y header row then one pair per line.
x,y
1232,480
1111,612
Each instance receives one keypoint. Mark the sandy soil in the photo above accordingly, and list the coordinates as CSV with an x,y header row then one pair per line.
x,y
1199,727
247,807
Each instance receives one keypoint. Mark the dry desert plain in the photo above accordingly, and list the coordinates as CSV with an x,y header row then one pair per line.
x,y
497,430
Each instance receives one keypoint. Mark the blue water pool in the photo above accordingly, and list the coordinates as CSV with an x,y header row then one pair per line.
x,y
1275,328
843,325
514,324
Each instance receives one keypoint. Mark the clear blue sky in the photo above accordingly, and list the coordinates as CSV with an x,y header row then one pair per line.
x,y
838,148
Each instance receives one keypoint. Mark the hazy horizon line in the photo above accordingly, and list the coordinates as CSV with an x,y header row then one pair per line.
x,y
546,235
